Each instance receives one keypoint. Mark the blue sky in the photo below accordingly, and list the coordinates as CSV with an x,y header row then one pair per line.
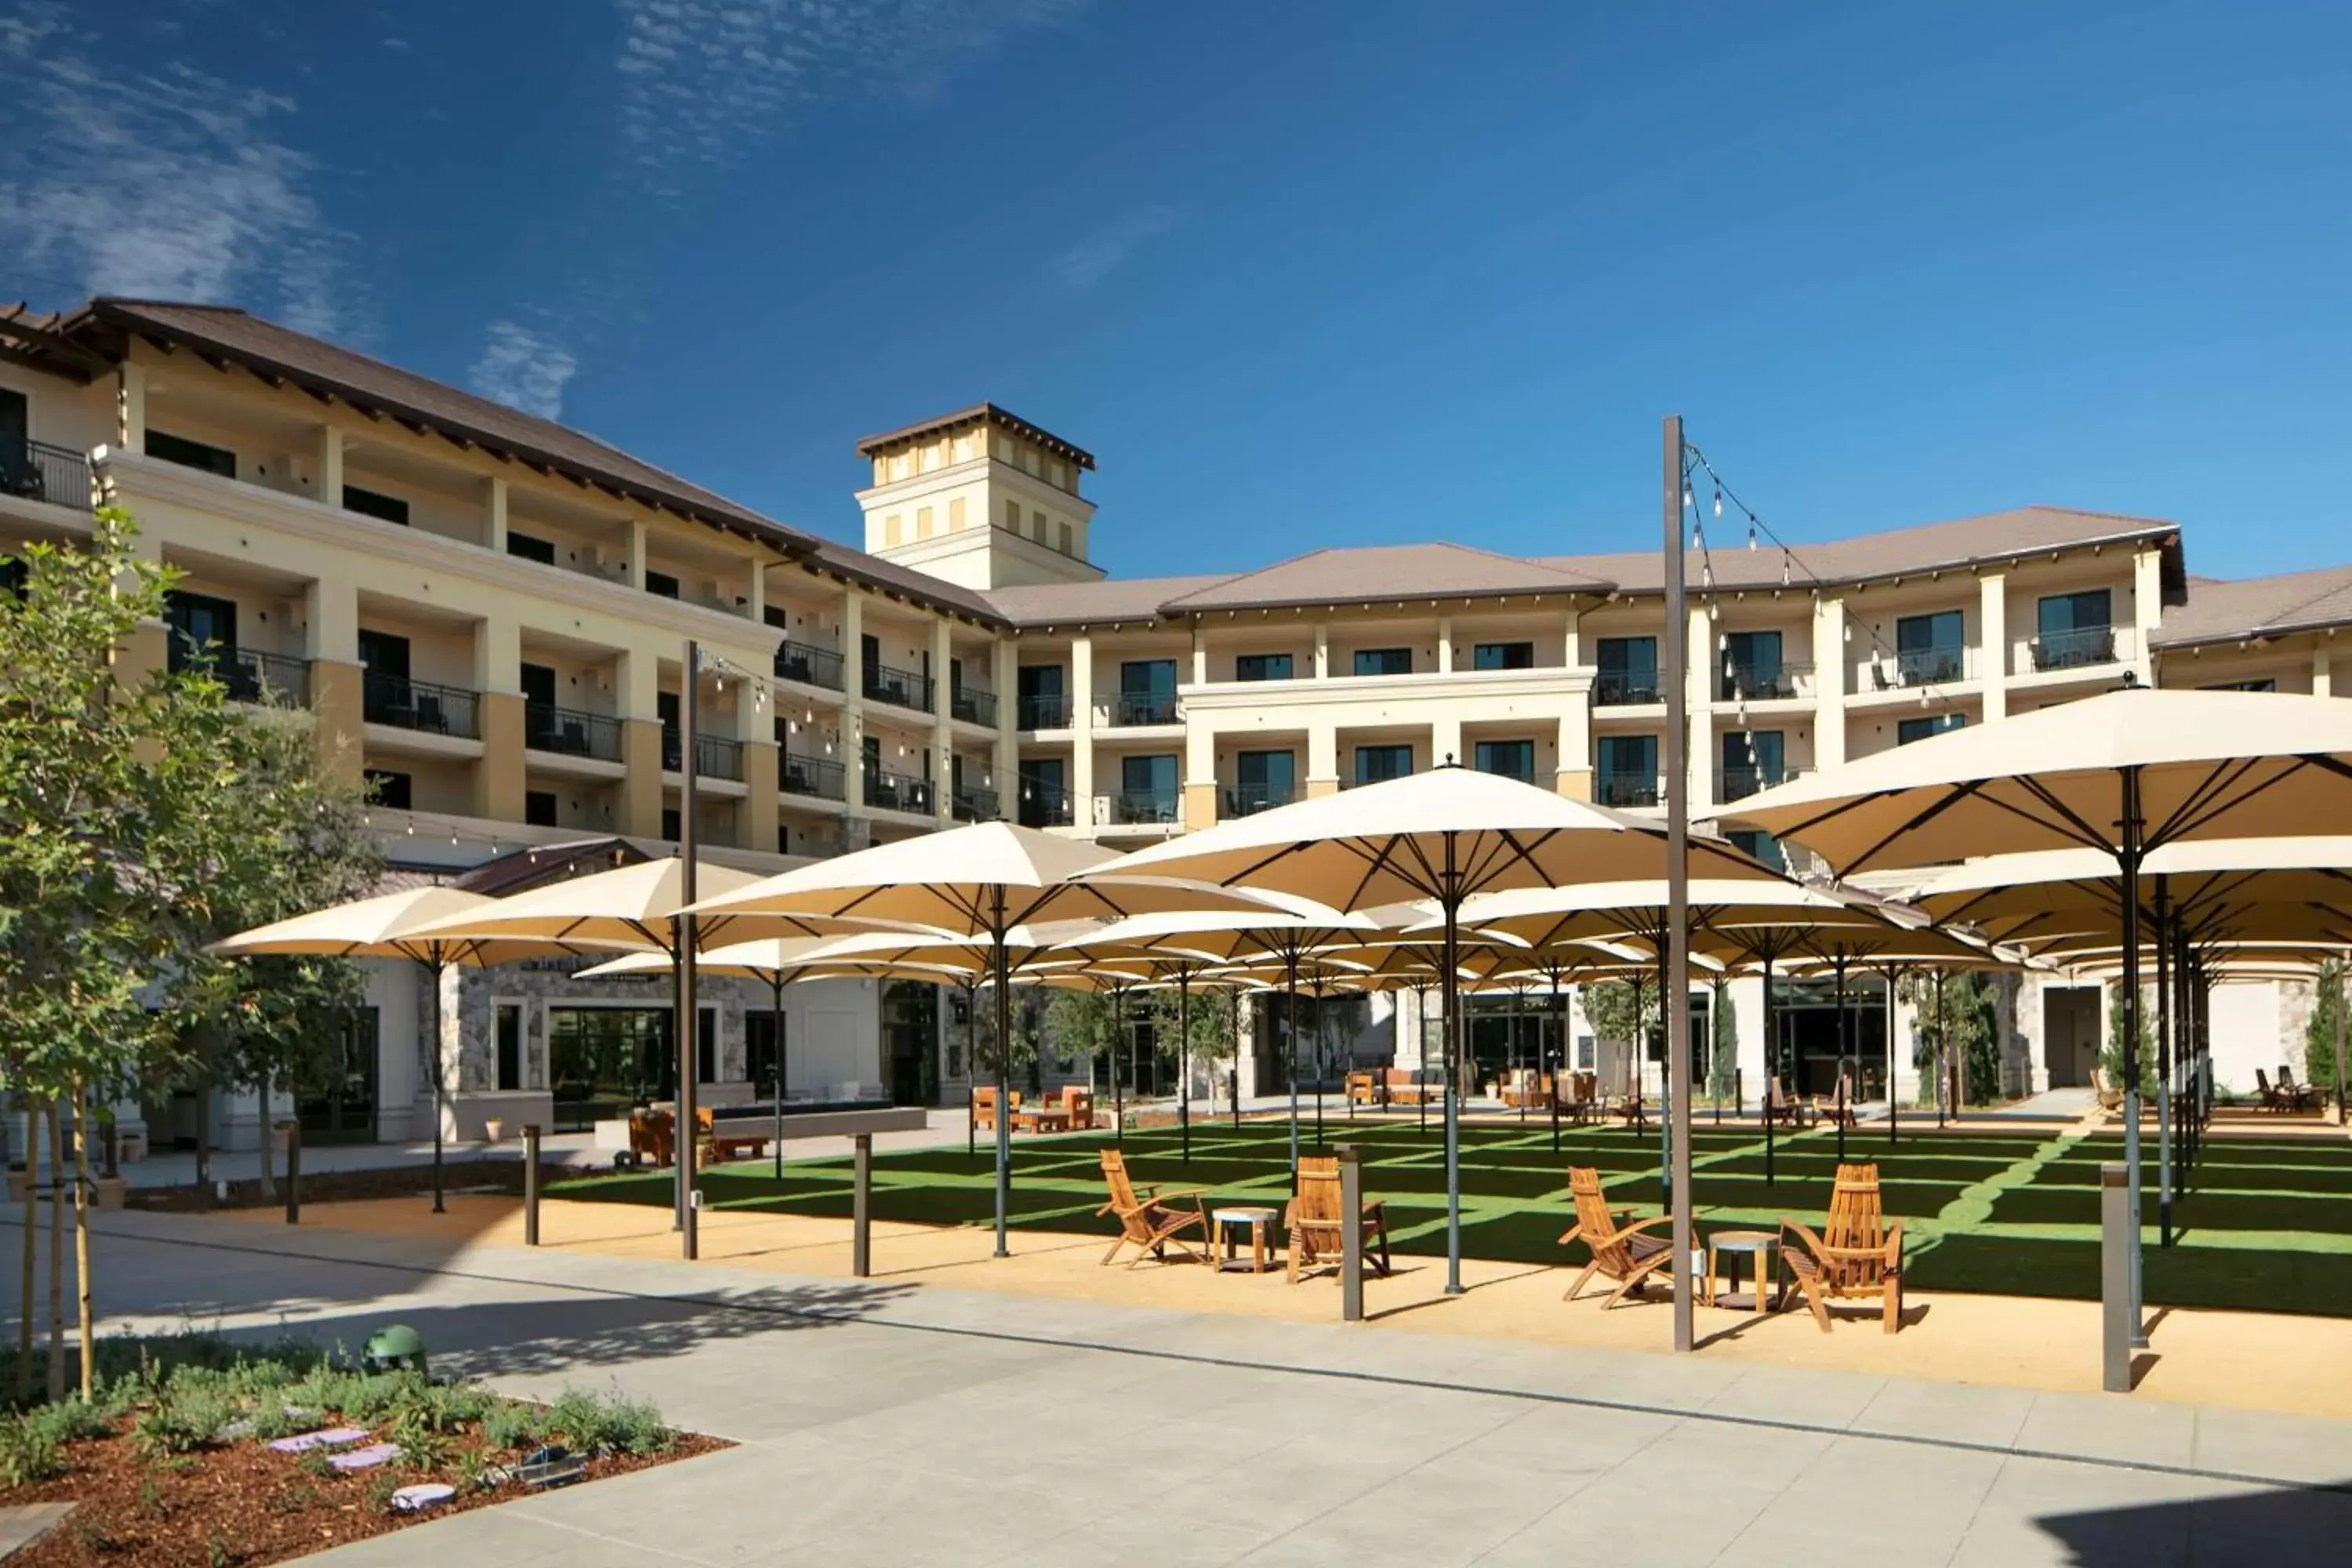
x,y
1299,274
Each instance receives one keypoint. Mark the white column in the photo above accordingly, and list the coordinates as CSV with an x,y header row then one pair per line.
x,y
1322,758
1082,732
493,514
332,608
853,701
1445,646
1992,638
1200,658
637,685
1571,651
2147,609
331,465
131,406
1830,668
1003,675
637,554
1698,689
497,655
1322,651
942,724
755,598
2323,681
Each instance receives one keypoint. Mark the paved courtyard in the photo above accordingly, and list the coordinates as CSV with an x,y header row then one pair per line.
x,y
889,1421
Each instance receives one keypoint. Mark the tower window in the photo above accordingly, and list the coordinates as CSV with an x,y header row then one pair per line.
x,y
1065,540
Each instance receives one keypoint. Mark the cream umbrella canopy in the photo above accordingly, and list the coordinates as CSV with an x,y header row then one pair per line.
x,y
1443,834
396,925
978,882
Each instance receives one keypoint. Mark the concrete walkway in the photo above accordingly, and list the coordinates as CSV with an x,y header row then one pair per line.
x,y
904,1424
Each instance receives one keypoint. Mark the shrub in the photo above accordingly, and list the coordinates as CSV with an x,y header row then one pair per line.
x,y
182,1423
510,1425
379,1490
365,1400
636,1428
70,1421
580,1417
469,1471
423,1447
27,1455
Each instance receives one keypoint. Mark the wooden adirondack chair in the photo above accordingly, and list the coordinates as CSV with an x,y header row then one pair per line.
x,y
1318,1223
1152,1221
1837,1109
653,1137
2273,1099
1781,1106
1858,1253
983,1108
2299,1096
1626,1256
2110,1093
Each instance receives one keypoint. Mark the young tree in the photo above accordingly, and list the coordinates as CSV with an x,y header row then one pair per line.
x,y
1609,1006
2327,1026
2111,1054
1083,1025
1966,1022
1208,1015
1723,1031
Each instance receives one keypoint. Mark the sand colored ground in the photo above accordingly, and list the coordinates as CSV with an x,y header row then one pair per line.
x,y
2252,1361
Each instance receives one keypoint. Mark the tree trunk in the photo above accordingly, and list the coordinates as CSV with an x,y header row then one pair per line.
x,y
205,1122
32,1238
56,1260
81,1236
268,1182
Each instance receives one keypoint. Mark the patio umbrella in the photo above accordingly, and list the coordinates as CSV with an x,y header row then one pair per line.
x,y
2125,774
629,907
395,925
1444,835
982,881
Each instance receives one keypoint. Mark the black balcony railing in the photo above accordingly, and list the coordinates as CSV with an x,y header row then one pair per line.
x,y
569,732
897,792
1045,711
1044,804
1760,682
973,705
1248,800
248,674
972,803
1627,789
1740,781
1625,687
2072,650
34,470
898,688
809,666
820,778
1131,707
718,757
1934,666
407,704
1150,807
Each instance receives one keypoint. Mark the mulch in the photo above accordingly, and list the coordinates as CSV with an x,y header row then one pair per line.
x,y
240,1503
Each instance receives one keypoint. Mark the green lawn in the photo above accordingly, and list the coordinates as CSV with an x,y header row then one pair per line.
x,y
2267,1225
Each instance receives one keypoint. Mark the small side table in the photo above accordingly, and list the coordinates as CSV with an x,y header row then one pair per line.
x,y
1761,1247
1225,1225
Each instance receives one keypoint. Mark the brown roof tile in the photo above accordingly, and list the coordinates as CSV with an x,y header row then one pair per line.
x,y
2258,606
978,413
1382,572
1093,604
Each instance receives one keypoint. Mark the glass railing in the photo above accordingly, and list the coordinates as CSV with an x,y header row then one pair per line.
x,y
407,704
972,804
2072,650
1044,804
809,665
248,675
1936,666
1623,790
1248,800
1143,807
1739,782
1133,707
1761,682
1625,687
569,732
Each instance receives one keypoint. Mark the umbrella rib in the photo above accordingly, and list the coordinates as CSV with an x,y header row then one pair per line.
x,y
2203,806
1927,814
2065,814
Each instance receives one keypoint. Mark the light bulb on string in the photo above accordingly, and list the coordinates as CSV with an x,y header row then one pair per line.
x,y
1718,500
1751,533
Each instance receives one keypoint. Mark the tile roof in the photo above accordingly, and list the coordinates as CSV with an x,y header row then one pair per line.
x,y
978,413
318,366
906,581
1383,571
1093,603
2258,606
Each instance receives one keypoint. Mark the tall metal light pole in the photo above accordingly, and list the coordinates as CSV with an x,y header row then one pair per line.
x,y
687,1013
1677,1020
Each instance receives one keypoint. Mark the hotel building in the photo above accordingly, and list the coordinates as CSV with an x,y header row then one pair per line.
x,y
486,614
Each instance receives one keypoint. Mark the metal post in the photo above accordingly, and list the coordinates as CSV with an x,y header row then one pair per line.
x,y
1421,1074
861,1207
1449,982
2127,866
1184,1059
293,1165
2163,1060
1351,1235
1677,1009
2118,1238
688,1014
433,1055
1290,1027
1002,965
1560,1057
530,1183
776,1033
1771,1065
1943,1056
1118,1090
1893,1094
1842,1097
2339,1039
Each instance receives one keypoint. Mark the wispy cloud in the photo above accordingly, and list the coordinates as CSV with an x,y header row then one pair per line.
x,y
1098,254
701,78
174,185
524,368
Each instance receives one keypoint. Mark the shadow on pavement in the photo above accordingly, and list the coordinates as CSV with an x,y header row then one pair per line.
x,y
2297,1524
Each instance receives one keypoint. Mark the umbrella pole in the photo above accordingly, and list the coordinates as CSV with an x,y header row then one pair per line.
x,y
1322,1056
2163,1060
1842,1097
972,1055
1290,1012
440,967
1004,1119
2127,866
776,1035
1943,1056
1450,982
1666,1076
1421,1098
1560,1063
1770,1051
1118,1089
1233,1076
1893,1096
1184,1057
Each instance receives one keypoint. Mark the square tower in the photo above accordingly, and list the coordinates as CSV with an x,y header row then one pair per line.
x,y
981,498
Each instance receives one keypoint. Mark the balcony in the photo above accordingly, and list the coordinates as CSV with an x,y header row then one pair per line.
x,y
886,791
1762,682
569,732
1044,711
973,705
1625,688
423,705
715,756
2076,649
818,778
1739,783
808,665
1626,790
1044,804
1941,665
250,675
34,470
897,687
1248,800
1130,710
973,804
1145,808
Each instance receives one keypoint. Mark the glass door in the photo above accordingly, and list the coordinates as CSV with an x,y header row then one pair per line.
x,y
341,1108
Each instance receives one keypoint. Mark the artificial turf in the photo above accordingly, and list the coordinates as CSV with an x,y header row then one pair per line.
x,y
2266,1224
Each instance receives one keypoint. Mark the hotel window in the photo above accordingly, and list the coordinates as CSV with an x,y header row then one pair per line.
x,y
1506,759
191,454
1911,729
1503,655
2074,629
1760,846
1012,516
1929,649
529,546
375,504
1629,770
1037,523
1065,529
1147,691
510,1046
1262,666
1384,662
1375,764
2264,683
538,808
661,582
1628,670
1263,779
387,788
670,823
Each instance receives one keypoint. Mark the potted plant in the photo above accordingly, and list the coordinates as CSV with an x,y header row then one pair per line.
x,y
495,1129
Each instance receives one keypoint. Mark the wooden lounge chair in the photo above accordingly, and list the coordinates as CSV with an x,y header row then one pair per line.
x,y
1318,1223
1836,1109
1782,1107
653,1137
1366,1088
721,1145
1152,1221
1632,1108
2273,1097
983,1108
1623,1254
1857,1255
2301,1096
2111,1095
